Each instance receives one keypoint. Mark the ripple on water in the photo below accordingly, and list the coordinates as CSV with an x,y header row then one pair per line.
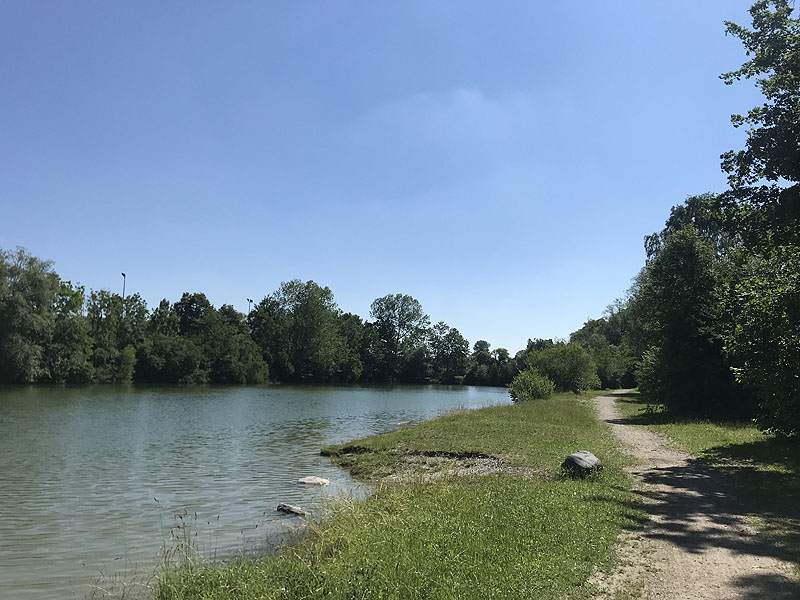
x,y
91,479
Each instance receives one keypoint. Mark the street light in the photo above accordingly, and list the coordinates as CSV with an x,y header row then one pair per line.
x,y
249,304
123,286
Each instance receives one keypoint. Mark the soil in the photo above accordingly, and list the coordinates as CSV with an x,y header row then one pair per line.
x,y
419,467
697,542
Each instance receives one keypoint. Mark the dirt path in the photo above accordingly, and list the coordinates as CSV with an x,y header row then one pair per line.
x,y
697,543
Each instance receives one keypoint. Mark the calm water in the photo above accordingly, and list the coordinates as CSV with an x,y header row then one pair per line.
x,y
91,478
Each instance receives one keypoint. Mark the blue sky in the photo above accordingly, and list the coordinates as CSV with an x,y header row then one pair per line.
x,y
500,162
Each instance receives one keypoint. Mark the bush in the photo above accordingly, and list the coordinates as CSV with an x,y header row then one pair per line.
x,y
530,385
568,366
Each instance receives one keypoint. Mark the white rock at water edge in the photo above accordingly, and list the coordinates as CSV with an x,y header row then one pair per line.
x,y
313,480
291,509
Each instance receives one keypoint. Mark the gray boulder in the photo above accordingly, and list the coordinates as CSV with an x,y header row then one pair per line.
x,y
291,509
581,464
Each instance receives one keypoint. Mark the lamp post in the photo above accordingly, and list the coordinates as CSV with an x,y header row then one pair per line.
x,y
249,304
123,286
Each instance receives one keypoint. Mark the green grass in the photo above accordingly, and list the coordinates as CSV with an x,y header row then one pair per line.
x,y
502,535
537,434
764,469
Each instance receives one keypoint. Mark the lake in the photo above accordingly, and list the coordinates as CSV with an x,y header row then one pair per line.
x,y
93,480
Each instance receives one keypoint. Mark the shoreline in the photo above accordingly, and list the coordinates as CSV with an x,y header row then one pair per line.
x,y
465,505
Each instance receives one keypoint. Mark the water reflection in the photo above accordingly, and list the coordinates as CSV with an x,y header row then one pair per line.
x,y
91,478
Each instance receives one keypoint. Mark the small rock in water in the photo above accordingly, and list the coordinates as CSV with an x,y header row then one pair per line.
x,y
581,464
313,480
291,509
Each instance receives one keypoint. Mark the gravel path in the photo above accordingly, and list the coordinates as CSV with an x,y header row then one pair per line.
x,y
697,542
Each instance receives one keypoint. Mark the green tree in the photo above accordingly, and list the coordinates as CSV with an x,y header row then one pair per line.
x,y
164,319
28,288
680,299
68,355
351,330
371,354
416,366
270,324
231,355
117,328
766,340
505,368
608,341
316,347
402,327
228,352
764,177
705,214
191,310
166,356
298,329
449,353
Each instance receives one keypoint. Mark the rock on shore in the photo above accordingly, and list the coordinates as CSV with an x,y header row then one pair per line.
x,y
313,480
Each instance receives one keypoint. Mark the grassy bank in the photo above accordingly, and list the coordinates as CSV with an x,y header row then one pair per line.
x,y
763,469
475,508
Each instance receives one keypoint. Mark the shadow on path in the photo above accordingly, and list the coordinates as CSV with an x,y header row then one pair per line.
x,y
693,509
766,586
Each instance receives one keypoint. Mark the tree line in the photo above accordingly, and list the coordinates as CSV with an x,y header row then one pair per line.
x,y
711,325
52,331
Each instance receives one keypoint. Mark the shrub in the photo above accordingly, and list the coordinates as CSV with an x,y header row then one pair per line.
x,y
530,385
569,366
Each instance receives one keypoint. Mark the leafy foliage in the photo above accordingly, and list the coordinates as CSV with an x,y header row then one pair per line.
x,y
494,367
568,366
609,343
530,385
449,353
764,177
715,307
679,299
402,329
766,340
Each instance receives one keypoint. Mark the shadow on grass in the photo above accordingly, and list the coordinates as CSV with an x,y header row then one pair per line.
x,y
775,452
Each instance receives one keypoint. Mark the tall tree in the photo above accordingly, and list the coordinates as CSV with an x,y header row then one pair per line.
x,y
402,327
117,328
766,340
299,332
679,299
28,288
68,355
449,353
270,324
764,176
351,330
316,346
